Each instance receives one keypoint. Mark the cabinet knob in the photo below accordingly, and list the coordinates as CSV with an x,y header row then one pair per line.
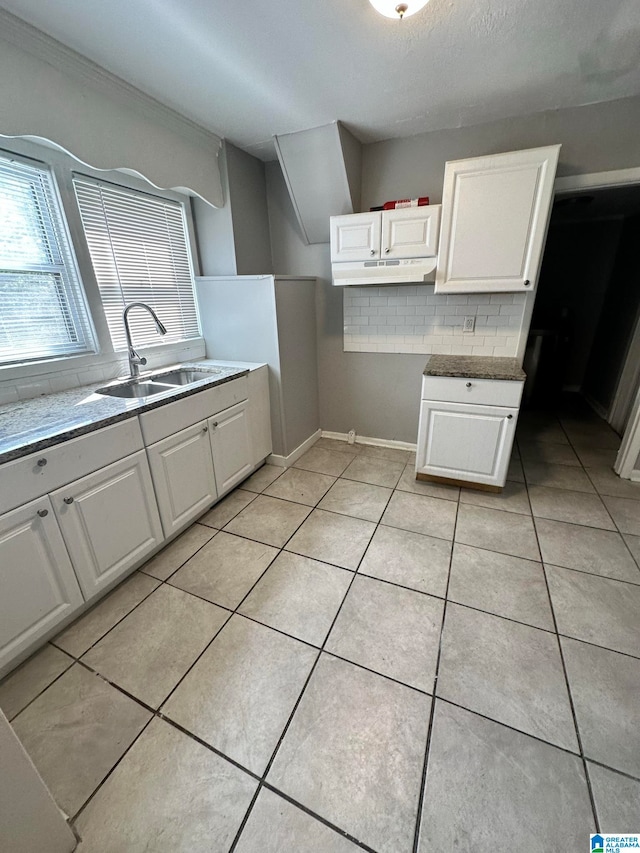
x,y
68,500
386,251
205,429
42,462
214,424
43,513
372,252
527,282
468,384
509,417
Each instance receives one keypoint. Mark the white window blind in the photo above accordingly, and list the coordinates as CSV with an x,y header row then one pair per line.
x,y
42,308
140,253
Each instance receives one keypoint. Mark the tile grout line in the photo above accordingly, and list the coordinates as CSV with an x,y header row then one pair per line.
x,y
73,819
53,681
432,711
301,695
566,677
263,782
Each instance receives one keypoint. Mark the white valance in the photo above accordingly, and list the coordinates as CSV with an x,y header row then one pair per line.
x,y
48,92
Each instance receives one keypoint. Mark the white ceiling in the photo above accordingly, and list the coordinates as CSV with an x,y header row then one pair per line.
x,y
250,69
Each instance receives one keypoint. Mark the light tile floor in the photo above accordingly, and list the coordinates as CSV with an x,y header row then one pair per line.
x,y
338,657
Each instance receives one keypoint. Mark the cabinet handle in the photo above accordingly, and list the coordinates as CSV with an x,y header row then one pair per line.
x,y
68,500
42,462
468,384
43,513
214,424
205,429
527,282
372,252
509,417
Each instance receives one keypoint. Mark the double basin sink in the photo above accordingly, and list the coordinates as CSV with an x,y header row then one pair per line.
x,y
157,383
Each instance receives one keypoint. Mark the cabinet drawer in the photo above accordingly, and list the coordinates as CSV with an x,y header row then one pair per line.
x,y
486,392
24,479
164,421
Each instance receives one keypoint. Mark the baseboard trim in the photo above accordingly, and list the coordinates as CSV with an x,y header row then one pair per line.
x,y
597,408
287,461
376,442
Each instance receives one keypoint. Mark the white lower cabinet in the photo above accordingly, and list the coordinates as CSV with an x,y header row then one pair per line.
x,y
182,471
37,582
109,520
107,502
231,446
193,467
462,441
466,430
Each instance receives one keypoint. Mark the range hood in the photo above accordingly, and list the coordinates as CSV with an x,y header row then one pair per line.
x,y
404,271
322,169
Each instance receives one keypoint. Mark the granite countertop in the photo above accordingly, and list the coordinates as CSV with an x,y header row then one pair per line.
x,y
475,367
32,425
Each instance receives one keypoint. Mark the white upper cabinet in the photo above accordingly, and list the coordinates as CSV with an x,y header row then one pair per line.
x,y
355,236
409,232
495,214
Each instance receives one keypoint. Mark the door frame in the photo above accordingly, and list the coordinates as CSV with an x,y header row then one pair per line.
x,y
630,447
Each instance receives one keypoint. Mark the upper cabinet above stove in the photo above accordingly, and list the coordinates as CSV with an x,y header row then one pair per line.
x,y
495,214
409,232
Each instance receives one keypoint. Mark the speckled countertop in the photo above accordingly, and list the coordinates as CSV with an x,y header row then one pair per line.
x,y
475,366
31,425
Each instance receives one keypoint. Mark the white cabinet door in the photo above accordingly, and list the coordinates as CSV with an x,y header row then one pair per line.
x,y
495,214
465,442
182,472
410,232
38,587
231,447
355,236
109,521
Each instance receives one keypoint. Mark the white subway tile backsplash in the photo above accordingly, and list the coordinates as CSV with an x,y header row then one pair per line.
x,y
416,320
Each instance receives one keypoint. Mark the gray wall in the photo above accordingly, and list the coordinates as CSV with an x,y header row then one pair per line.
x,y
235,239
214,229
248,197
377,394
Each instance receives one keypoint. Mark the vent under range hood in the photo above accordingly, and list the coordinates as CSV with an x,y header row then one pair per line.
x,y
322,169
405,271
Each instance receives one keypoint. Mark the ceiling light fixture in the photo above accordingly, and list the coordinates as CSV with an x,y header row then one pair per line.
x,y
393,9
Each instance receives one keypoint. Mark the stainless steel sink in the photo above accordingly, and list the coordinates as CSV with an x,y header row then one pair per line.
x,y
183,376
157,383
136,389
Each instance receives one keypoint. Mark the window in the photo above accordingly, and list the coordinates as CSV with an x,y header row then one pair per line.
x,y
42,308
140,253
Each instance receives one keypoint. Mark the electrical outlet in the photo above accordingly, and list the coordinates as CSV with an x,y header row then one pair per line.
x,y
351,436
469,324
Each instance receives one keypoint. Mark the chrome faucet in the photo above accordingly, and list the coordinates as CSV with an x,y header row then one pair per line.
x,y
136,360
